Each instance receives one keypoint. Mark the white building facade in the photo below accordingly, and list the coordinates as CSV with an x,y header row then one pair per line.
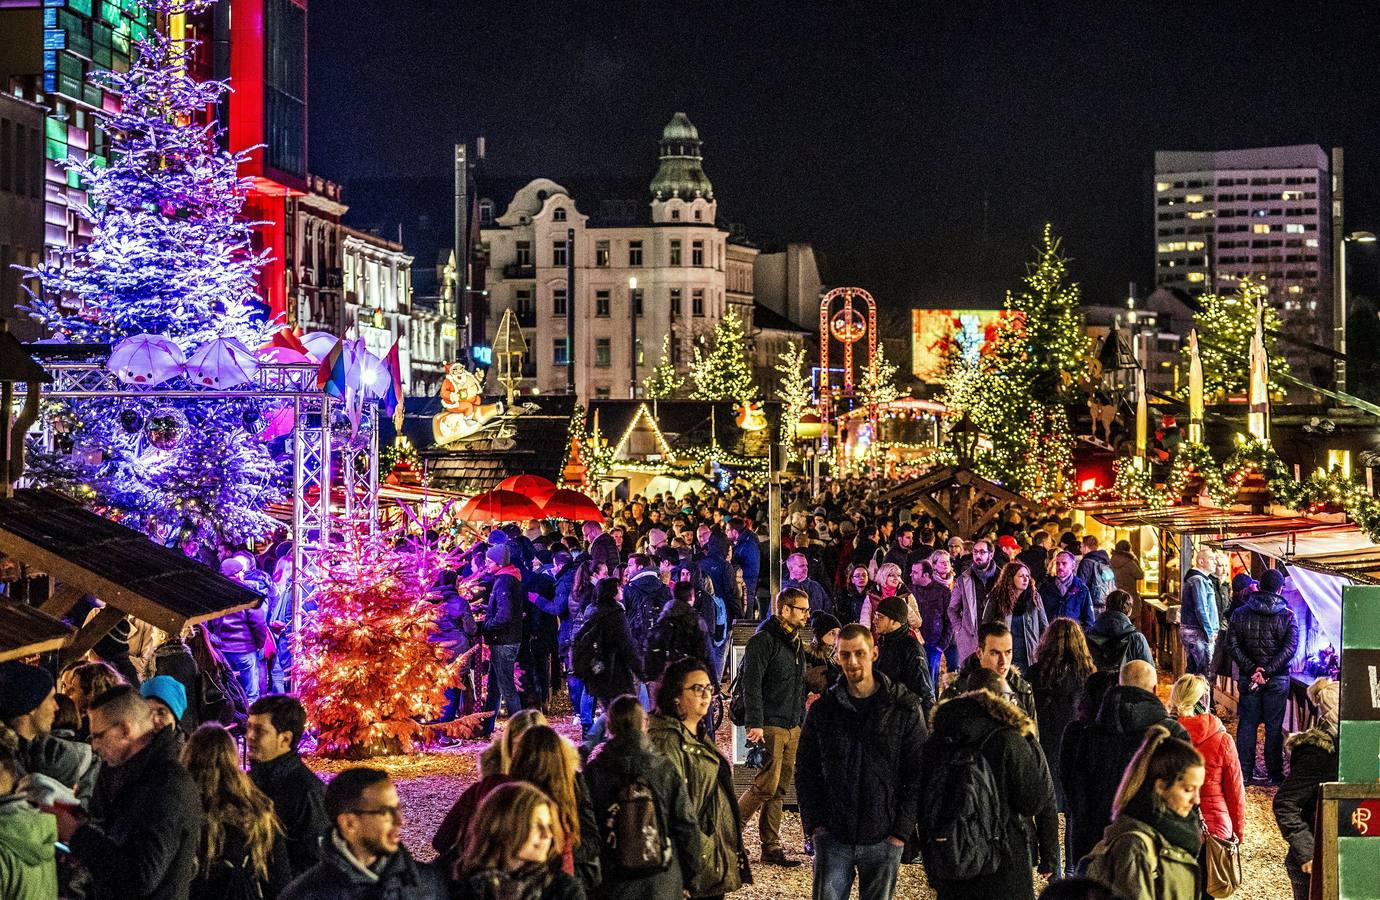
x,y
378,296
635,284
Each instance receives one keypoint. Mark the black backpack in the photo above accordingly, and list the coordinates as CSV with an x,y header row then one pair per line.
x,y
1108,653
635,838
586,660
963,826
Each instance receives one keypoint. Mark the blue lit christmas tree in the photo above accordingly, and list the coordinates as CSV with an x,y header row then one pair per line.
x,y
170,254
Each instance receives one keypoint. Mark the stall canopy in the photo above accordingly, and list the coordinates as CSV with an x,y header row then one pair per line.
x,y
1203,520
1343,550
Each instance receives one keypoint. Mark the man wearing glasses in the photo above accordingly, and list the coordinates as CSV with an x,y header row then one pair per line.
x,y
363,855
773,685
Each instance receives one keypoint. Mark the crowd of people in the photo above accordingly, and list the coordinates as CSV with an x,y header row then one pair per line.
x,y
953,700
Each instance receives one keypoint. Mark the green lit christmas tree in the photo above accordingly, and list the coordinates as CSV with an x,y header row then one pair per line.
x,y
664,380
722,372
1225,326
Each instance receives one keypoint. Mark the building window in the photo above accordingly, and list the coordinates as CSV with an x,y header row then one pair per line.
x,y
601,304
675,253
637,302
675,215
697,253
675,303
558,301
524,253
635,254
675,352
603,353
558,253
486,211
1260,229
558,215
641,357
559,356
601,391
601,254
699,215
526,308
697,303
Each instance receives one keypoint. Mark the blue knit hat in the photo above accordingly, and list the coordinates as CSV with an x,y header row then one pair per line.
x,y
167,690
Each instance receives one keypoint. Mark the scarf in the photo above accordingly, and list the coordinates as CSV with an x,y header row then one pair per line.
x,y
985,575
1184,832
1064,584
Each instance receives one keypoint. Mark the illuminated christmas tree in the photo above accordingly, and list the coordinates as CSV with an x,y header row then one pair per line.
x,y
664,381
170,254
793,390
722,372
1225,326
877,386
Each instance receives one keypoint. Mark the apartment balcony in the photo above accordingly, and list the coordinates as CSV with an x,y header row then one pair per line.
x,y
516,271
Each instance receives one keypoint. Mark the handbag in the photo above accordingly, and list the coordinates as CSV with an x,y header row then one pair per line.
x,y
1221,865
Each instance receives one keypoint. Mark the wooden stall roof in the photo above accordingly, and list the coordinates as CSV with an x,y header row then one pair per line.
x,y
50,533
1334,549
1204,520
25,631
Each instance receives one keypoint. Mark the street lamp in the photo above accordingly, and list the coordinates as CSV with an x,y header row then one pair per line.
x,y
632,350
1340,313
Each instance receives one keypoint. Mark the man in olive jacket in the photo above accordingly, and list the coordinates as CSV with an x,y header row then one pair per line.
x,y
773,686
857,776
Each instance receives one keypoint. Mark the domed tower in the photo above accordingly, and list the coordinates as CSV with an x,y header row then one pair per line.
x,y
680,190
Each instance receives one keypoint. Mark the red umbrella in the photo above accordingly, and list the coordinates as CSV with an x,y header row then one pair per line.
x,y
568,504
532,486
498,506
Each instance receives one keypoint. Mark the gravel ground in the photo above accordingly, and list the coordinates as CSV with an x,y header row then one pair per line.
x,y
429,783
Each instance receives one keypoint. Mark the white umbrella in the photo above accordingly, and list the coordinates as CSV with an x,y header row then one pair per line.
x,y
281,355
318,344
222,362
147,359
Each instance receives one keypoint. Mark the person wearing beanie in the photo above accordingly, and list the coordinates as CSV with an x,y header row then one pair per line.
x,y
167,700
1312,761
899,654
502,629
1263,637
28,705
821,655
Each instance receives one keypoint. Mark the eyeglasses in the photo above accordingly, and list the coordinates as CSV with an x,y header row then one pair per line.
x,y
393,812
804,609
703,690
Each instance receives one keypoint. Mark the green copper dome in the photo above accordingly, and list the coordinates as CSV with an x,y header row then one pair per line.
x,y
681,173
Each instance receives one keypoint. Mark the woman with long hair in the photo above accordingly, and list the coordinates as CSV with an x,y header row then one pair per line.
x,y
890,583
548,761
242,847
677,729
1224,793
512,849
1014,602
1058,679
1151,848
853,597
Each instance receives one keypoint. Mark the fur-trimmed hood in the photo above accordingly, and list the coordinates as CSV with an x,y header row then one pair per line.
x,y
1314,737
975,714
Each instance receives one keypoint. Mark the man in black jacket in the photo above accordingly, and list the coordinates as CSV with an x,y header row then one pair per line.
x,y
276,723
899,655
773,686
1093,759
858,773
644,596
502,630
994,654
627,757
1263,637
1312,761
141,840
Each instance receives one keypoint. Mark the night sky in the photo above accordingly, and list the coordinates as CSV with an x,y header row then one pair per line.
x,y
918,146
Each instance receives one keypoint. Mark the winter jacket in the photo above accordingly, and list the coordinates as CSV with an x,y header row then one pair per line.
x,y
874,599
1036,559
1198,604
28,865
234,869
1093,759
174,659
1127,571
146,826
1134,860
1030,626
1095,570
245,631
715,566
616,762
338,877
643,597
1263,635
1075,603
531,882
773,677
1312,761
1023,783
622,664
1056,702
299,799
850,603
747,556
680,631
723,863
604,549
504,607
1021,693
965,604
902,660
565,586
69,762
857,774
932,602
1111,632
1223,797
819,597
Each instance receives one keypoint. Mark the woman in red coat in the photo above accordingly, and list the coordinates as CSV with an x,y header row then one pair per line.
x,y
1223,797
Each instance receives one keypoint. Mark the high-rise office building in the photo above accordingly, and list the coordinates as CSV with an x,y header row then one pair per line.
x,y
1264,212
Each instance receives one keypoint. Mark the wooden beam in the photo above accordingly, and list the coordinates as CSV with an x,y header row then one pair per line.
x,y
90,634
61,600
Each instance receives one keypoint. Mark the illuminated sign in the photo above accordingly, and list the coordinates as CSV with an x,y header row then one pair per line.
x,y
933,331
482,355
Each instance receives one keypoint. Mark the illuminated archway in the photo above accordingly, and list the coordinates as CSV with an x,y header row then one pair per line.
x,y
845,323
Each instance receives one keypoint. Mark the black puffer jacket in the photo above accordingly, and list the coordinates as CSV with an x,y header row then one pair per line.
x,y
858,774
1263,635
901,659
1312,761
678,632
1093,759
1021,692
773,677
503,613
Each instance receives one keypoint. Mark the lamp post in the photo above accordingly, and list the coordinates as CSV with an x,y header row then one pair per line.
x,y
1339,312
632,346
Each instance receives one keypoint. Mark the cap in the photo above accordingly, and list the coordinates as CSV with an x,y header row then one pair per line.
x,y
894,608
22,689
1272,582
1008,543
498,554
169,691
